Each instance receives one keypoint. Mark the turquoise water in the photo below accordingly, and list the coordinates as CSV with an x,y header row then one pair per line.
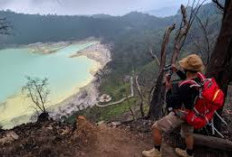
x,y
64,74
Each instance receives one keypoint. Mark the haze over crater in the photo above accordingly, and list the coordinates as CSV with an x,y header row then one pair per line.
x,y
90,7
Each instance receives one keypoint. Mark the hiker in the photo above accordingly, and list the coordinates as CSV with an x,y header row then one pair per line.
x,y
182,98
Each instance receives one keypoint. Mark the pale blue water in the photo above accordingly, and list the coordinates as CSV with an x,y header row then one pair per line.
x,y
62,71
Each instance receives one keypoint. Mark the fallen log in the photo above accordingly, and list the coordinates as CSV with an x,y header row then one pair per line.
x,y
212,142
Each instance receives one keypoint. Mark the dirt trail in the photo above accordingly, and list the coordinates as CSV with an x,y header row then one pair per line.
x,y
105,141
117,143
49,139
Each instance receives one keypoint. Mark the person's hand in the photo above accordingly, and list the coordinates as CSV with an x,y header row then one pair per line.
x,y
167,77
174,68
168,83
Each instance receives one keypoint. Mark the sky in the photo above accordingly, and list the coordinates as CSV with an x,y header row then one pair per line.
x,y
88,7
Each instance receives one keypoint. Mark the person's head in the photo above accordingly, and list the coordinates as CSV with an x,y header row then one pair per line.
x,y
192,64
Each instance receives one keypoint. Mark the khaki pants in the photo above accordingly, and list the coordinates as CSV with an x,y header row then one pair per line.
x,y
170,122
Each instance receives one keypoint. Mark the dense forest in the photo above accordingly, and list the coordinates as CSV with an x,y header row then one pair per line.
x,y
131,35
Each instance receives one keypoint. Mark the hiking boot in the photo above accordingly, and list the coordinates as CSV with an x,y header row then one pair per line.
x,y
182,153
151,153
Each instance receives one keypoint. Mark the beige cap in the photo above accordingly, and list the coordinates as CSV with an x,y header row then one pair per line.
x,y
192,62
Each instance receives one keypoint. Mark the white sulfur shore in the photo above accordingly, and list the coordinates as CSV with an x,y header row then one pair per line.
x,y
86,96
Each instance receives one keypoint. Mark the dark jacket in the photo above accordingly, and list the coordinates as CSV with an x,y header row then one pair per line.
x,y
183,96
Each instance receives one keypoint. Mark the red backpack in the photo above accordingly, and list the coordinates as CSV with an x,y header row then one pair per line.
x,y
210,99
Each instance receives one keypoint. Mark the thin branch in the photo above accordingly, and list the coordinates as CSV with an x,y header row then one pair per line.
x,y
37,91
140,95
154,56
182,33
205,32
196,44
194,11
219,5
34,99
164,45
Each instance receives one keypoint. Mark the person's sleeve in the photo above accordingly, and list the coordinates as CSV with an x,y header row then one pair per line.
x,y
172,97
181,75
169,98
188,96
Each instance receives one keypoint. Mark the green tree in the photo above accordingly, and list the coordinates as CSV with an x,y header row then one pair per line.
x,y
4,26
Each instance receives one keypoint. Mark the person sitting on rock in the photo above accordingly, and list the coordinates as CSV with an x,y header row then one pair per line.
x,y
183,98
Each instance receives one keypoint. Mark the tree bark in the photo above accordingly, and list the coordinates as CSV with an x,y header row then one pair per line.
x,y
220,62
155,110
212,142
180,36
220,66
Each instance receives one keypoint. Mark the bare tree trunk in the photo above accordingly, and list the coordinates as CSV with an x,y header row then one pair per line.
x,y
156,102
220,66
220,62
141,97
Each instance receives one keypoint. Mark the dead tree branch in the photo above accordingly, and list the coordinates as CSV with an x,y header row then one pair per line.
x,y
205,33
140,95
219,5
158,94
164,46
184,28
194,10
154,56
182,33
37,91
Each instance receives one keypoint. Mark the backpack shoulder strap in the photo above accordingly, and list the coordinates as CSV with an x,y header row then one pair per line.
x,y
201,76
192,83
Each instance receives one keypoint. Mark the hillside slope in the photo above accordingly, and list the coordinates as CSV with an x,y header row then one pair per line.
x,y
85,139
26,29
49,139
